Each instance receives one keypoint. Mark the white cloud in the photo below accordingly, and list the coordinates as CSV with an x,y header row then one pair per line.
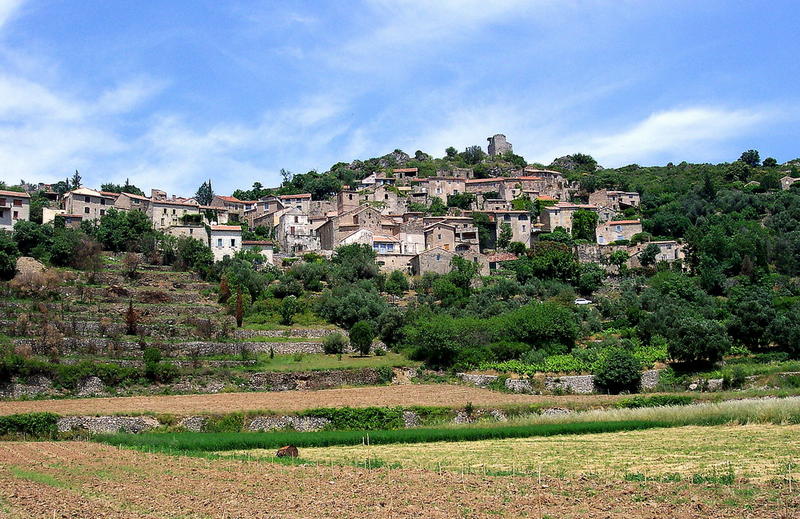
x,y
682,132
7,9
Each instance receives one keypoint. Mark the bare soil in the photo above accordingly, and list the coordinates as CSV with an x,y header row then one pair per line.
x,y
292,401
74,479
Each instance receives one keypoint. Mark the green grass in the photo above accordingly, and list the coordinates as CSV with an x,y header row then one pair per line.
x,y
37,477
768,411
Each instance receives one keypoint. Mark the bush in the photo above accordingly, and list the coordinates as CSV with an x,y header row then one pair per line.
x,y
40,425
618,371
360,419
334,343
361,336
289,307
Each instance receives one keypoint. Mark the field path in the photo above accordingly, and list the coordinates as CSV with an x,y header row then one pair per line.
x,y
291,401
76,480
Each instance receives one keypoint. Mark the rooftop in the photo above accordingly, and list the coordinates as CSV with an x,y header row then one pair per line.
x,y
226,228
20,194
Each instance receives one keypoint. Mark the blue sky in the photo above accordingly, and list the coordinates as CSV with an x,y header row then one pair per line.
x,y
169,93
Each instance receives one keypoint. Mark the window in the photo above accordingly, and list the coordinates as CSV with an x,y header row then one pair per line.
x,y
507,217
165,210
350,197
2,201
16,215
162,222
87,199
102,201
523,228
523,217
173,211
619,228
136,202
17,203
191,231
439,237
438,257
296,219
219,242
85,210
386,197
233,242
102,212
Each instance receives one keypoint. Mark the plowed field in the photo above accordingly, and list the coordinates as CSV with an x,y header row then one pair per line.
x,y
290,401
73,479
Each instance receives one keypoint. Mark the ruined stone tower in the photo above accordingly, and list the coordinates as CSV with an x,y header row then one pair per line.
x,y
498,144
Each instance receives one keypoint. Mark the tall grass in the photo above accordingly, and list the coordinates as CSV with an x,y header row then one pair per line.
x,y
737,412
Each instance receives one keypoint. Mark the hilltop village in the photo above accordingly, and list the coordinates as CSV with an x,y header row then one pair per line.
x,y
415,221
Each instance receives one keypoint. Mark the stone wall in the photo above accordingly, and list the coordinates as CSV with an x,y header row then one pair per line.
x,y
107,424
310,380
578,384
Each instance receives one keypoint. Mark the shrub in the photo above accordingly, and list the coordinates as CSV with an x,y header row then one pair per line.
x,y
42,425
334,343
289,307
360,419
618,371
361,336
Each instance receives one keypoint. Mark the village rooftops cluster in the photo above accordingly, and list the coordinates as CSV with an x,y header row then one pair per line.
x,y
382,210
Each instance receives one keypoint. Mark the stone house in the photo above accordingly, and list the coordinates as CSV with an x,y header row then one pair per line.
x,y
787,181
332,232
617,200
668,251
294,232
384,198
617,230
438,261
465,231
131,202
520,222
14,206
300,201
496,261
443,187
90,204
235,207
225,240
405,173
195,231
560,215
484,185
440,235
264,247
167,213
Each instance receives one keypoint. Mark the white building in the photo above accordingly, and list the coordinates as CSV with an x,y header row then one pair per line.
x,y
225,240
14,206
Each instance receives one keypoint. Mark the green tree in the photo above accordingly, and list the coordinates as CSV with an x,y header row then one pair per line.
x,y
648,256
451,152
504,238
617,371
584,223
751,158
695,339
347,304
590,278
76,180
8,255
361,335
461,200
334,344
121,231
205,194
355,261
437,207
618,258
473,155
289,307
396,284
770,162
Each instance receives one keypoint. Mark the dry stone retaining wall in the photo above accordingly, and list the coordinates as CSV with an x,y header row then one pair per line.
x,y
107,424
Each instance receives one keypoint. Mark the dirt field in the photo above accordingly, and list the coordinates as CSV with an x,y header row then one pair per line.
x,y
73,479
760,452
289,401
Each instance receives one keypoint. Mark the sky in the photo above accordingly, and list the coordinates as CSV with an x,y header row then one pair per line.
x,y
171,93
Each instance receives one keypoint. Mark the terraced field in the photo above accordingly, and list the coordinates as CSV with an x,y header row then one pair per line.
x,y
73,479
439,395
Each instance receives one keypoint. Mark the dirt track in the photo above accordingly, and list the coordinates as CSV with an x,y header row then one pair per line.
x,y
73,479
289,401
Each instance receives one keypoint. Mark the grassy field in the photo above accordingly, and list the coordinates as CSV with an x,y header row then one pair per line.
x,y
763,452
74,479
742,412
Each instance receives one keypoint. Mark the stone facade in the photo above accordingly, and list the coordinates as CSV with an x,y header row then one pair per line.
x,y
498,144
